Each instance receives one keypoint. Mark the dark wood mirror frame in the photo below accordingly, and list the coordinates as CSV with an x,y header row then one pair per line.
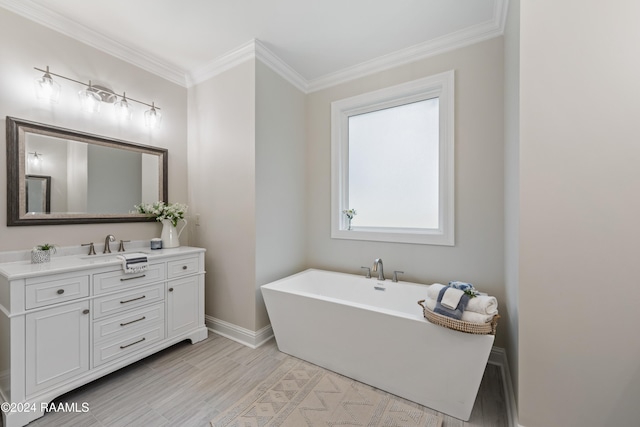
x,y
16,175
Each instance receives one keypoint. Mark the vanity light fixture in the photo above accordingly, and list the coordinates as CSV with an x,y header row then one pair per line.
x,y
93,96
46,88
35,158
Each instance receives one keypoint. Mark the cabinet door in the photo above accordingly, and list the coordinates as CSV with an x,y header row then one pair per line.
x,y
183,305
57,345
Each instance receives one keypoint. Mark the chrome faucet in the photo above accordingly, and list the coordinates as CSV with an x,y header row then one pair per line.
x,y
377,267
107,240
92,250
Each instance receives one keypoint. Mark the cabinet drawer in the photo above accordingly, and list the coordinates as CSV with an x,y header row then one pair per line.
x,y
182,267
109,350
124,324
54,289
118,280
113,304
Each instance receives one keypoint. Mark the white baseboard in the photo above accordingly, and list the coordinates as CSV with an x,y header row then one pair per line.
x,y
498,357
252,339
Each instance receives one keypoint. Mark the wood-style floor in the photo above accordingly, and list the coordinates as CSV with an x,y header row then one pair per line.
x,y
188,385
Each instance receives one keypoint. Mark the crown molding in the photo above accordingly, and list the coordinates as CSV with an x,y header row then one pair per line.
x,y
222,63
280,67
83,34
250,50
456,40
256,49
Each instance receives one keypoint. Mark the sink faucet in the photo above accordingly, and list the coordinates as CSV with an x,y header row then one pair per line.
x,y
380,270
107,240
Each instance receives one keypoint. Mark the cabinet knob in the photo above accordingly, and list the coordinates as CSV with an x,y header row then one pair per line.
x,y
170,289
60,291
85,311
184,267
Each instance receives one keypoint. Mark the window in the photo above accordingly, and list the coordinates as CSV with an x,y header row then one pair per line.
x,y
392,162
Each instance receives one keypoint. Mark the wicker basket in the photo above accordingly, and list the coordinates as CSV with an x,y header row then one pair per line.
x,y
460,325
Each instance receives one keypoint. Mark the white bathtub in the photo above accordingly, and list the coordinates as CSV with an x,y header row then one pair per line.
x,y
379,337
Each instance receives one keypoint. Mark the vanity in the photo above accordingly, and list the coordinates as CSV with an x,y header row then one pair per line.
x,y
77,318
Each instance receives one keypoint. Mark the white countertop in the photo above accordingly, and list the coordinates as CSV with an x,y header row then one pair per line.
x,y
66,262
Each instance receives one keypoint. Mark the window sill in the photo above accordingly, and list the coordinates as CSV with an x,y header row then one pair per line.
x,y
413,236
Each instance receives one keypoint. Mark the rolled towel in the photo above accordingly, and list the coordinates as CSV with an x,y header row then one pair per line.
x,y
434,290
451,298
483,304
467,316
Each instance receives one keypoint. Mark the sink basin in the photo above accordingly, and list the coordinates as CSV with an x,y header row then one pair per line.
x,y
100,258
107,257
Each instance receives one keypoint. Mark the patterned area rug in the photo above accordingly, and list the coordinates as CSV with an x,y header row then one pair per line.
x,y
300,394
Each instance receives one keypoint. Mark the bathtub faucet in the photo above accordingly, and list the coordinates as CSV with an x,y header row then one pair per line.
x,y
377,267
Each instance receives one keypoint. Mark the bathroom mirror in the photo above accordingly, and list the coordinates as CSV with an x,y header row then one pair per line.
x,y
63,176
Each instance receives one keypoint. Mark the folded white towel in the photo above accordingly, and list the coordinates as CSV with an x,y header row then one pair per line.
x,y
467,316
483,304
134,262
451,298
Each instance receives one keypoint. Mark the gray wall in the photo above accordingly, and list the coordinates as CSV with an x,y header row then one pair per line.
x,y
511,185
222,190
281,225
27,45
579,226
247,180
478,254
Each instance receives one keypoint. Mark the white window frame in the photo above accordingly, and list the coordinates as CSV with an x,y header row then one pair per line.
x,y
441,86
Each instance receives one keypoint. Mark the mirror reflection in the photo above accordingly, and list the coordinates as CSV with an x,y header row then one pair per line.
x,y
64,176
38,193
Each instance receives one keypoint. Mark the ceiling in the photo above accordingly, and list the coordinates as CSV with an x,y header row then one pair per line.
x,y
315,42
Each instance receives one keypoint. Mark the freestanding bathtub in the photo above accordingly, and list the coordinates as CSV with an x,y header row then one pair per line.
x,y
375,333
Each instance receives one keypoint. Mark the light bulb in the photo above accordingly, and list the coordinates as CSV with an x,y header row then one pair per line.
x,y
152,117
122,108
90,101
46,88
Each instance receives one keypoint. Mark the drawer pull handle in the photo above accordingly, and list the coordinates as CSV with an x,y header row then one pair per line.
x,y
129,345
124,279
133,321
60,291
134,299
184,267
85,311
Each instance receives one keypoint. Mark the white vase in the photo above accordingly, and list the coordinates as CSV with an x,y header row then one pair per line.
x,y
170,235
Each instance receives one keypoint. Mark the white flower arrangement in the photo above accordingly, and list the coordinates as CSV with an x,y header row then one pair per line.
x,y
350,213
160,210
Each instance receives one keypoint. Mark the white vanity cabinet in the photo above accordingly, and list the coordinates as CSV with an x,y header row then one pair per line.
x,y
57,345
183,294
68,322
